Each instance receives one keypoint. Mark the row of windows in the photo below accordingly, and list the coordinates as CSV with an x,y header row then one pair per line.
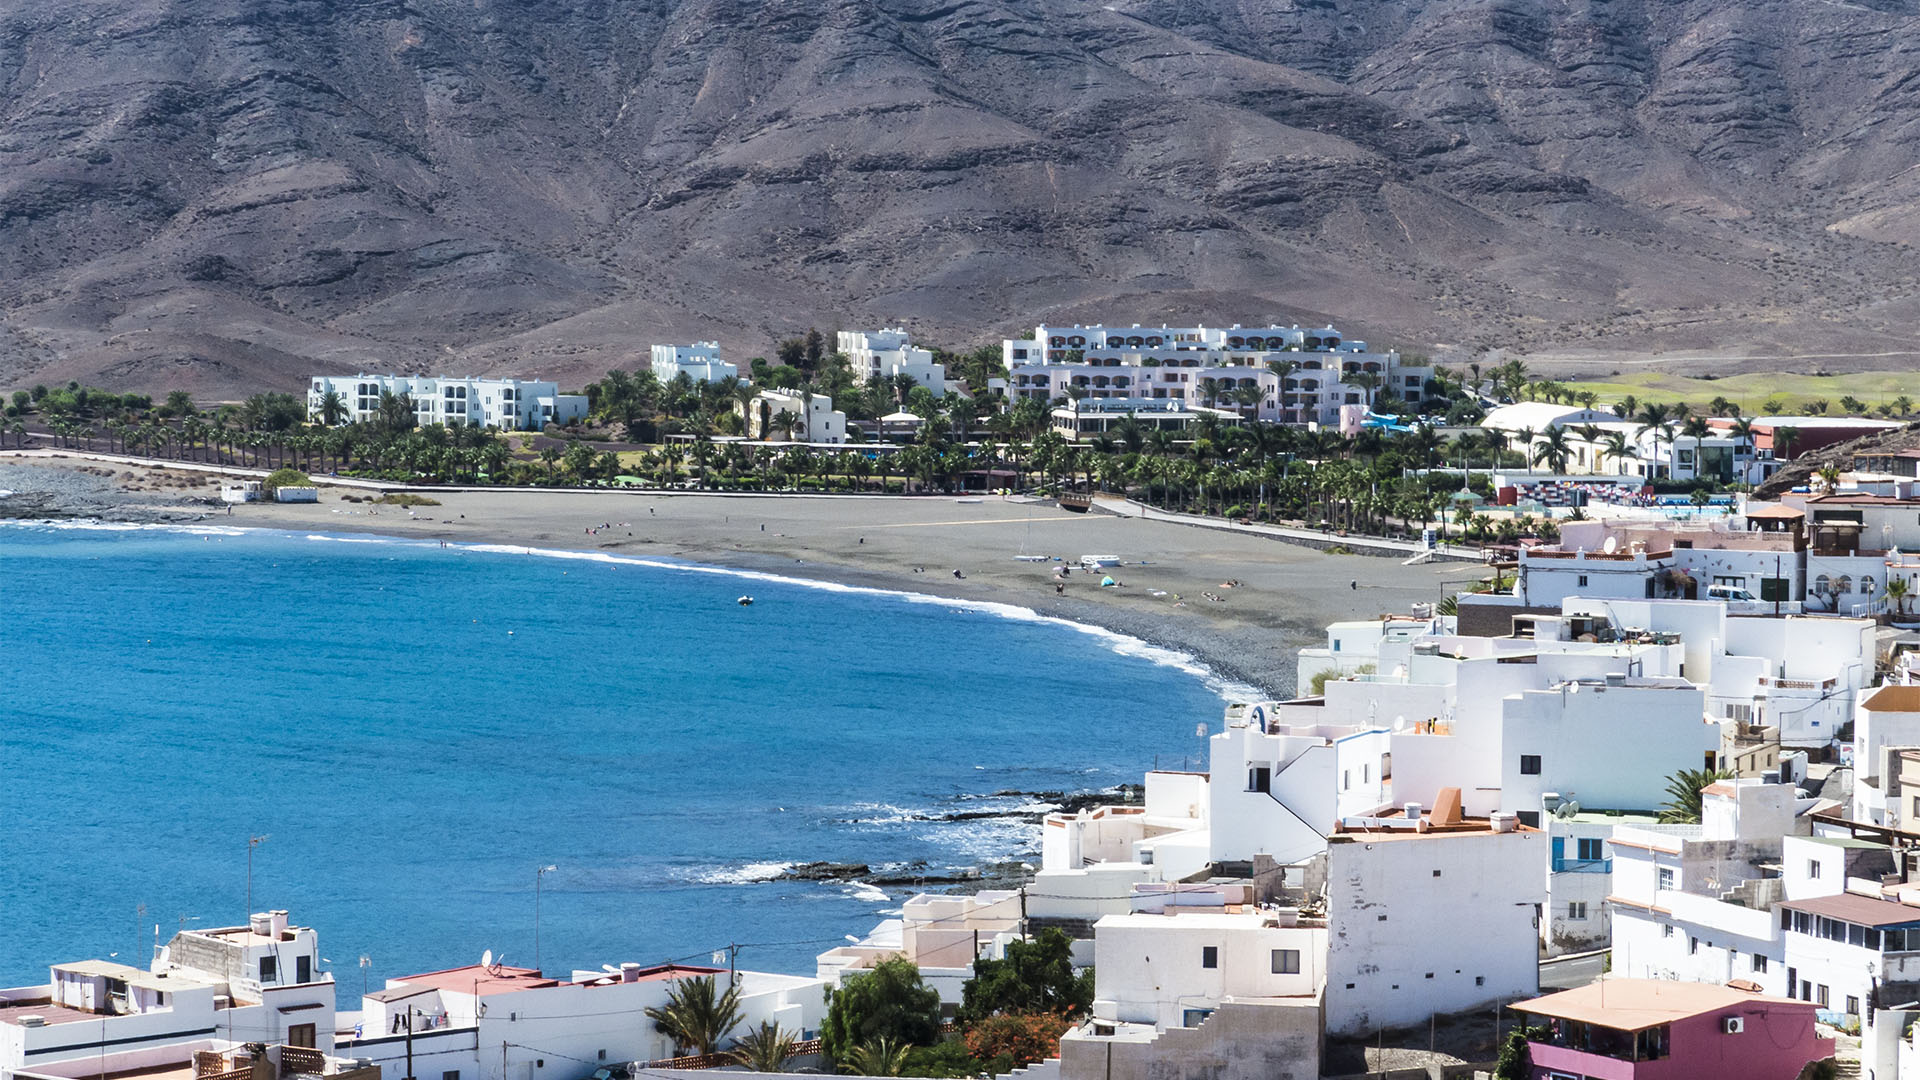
x,y
1755,962
1284,961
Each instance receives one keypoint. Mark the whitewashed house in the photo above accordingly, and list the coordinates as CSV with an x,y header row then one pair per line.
x,y
1886,718
206,988
494,1022
1430,912
1697,902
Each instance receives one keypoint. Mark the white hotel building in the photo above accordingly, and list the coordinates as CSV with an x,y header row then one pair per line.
x,y
507,404
882,354
699,361
1117,365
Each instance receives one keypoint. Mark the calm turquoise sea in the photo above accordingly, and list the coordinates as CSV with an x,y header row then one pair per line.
x,y
416,729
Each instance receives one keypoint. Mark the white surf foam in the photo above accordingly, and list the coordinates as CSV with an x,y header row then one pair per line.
x,y
1122,644
741,875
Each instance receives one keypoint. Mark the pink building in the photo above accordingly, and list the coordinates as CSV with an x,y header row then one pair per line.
x,y
1654,1029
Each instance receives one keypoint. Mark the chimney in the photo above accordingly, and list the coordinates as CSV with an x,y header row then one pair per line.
x,y
261,923
1616,678
629,972
1503,822
1412,811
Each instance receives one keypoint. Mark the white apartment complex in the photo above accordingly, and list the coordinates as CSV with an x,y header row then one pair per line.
x,y
883,354
1318,372
699,361
506,404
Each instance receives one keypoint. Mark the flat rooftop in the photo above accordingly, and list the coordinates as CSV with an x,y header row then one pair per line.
x,y
54,1014
475,979
1638,1004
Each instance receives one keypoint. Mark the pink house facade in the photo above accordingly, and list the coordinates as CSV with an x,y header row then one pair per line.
x,y
1656,1029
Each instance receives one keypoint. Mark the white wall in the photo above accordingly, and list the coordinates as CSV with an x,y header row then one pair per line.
x,y
1608,747
1430,923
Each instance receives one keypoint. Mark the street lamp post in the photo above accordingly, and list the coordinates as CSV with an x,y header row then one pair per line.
x,y
252,842
537,875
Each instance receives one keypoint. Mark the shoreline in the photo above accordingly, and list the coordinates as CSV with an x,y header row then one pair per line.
x,y
1269,598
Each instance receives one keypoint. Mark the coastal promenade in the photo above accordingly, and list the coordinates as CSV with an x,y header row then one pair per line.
x,y
1313,538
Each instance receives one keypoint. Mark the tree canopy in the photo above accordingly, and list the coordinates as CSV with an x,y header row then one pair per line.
x,y
890,1002
1037,976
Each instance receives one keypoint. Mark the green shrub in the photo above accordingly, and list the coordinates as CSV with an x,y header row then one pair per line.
x,y
280,478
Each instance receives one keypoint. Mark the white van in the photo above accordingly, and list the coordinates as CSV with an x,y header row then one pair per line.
x,y
1731,594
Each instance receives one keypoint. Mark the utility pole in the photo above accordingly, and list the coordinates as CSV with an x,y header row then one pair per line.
x,y
410,1012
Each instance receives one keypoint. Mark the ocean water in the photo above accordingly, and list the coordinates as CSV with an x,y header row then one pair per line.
x,y
416,729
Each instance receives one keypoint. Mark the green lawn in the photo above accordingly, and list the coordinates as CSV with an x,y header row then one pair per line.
x,y
1751,391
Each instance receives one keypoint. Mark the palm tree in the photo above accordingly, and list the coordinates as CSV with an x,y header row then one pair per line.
x,y
1683,794
883,1056
1696,429
766,1048
695,1017
1897,590
1652,418
1525,438
1553,450
333,408
1619,447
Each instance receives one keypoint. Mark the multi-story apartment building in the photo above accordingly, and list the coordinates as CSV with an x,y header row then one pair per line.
x,y
699,361
1279,374
507,404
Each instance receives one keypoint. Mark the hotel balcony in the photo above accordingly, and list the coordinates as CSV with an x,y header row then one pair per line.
x,y
1562,865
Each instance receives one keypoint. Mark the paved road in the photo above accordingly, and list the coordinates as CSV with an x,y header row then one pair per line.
x,y
1567,973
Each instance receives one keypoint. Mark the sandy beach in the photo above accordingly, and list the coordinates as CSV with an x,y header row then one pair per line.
x,y
1281,597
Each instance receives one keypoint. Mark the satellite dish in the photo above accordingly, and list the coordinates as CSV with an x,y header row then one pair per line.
x,y
486,959
1610,546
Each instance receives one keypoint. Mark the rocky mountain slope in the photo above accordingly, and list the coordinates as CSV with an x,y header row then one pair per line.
x,y
226,194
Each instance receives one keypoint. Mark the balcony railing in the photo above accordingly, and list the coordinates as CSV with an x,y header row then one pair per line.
x,y
1582,866
1798,684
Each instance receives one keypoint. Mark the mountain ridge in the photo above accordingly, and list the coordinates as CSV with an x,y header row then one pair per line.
x,y
231,194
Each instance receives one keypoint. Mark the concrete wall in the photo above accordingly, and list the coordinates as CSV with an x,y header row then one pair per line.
x,y
1264,1040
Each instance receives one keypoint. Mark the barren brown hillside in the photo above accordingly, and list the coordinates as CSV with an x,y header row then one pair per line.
x,y
224,194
